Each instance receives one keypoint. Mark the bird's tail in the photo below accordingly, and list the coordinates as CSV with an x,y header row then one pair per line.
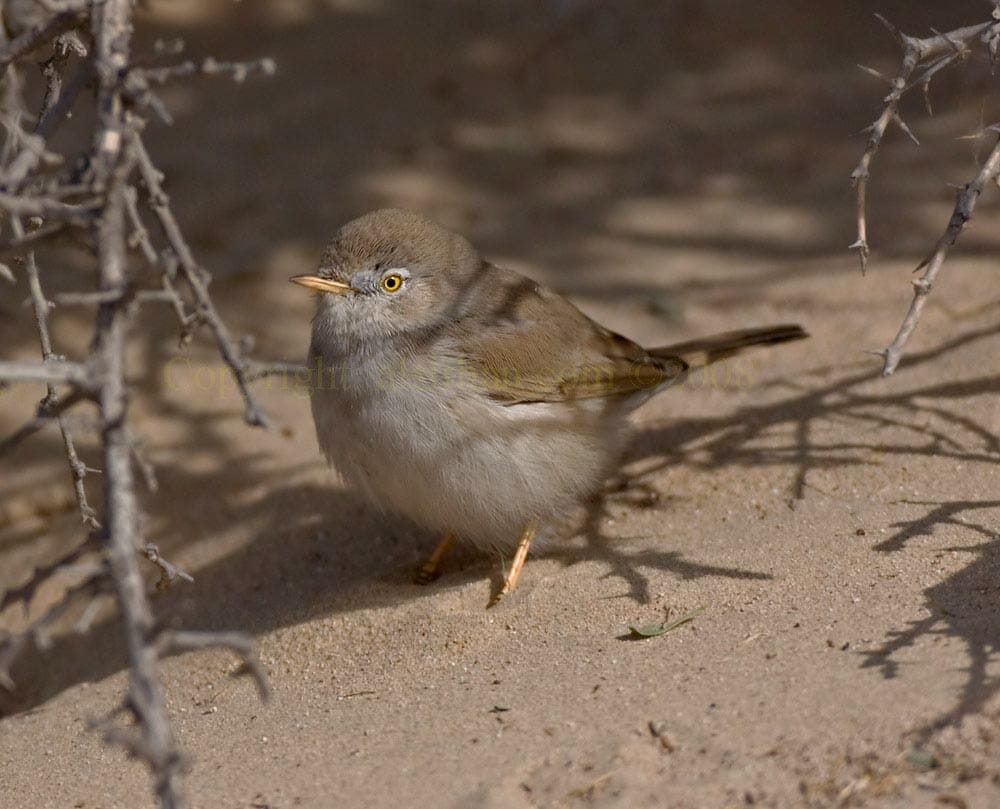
x,y
707,350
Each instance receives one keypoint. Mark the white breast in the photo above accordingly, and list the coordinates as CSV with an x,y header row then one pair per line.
x,y
431,446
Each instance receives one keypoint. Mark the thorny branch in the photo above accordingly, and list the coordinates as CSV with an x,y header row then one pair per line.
x,y
43,33
102,194
195,278
943,49
923,59
40,305
964,207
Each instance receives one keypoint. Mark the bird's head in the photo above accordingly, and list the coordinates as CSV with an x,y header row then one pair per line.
x,y
390,272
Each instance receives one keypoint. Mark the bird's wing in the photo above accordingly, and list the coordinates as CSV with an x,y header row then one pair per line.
x,y
529,344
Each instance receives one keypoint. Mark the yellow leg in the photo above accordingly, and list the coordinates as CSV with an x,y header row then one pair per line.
x,y
516,564
431,569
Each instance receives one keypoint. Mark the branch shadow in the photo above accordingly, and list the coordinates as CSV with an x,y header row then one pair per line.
x,y
626,563
963,606
742,438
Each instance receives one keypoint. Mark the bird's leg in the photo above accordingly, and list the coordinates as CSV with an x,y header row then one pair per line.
x,y
516,564
431,569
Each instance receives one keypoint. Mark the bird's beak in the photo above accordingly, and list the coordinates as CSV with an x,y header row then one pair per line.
x,y
321,284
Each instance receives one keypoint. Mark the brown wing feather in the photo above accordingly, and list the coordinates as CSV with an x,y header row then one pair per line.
x,y
530,344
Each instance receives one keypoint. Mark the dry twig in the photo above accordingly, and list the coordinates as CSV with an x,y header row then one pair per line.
x,y
41,306
923,59
968,196
103,199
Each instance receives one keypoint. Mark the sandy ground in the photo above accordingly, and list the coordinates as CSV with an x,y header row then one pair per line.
x,y
676,168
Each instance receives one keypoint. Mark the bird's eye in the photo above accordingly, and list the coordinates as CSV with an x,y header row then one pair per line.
x,y
392,282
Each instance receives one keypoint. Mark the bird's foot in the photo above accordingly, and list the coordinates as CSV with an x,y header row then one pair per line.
x,y
510,580
431,569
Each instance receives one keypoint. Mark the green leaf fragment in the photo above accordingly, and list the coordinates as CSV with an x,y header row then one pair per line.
x,y
653,630
921,759
648,630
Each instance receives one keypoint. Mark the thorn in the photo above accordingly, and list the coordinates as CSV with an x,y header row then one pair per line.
x,y
877,352
902,125
927,96
892,29
876,73
5,681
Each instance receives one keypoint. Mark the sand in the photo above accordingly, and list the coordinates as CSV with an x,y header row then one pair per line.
x,y
676,169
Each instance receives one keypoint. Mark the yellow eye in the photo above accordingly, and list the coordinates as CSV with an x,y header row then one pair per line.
x,y
391,283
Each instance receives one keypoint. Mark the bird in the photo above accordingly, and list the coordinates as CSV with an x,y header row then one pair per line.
x,y
473,400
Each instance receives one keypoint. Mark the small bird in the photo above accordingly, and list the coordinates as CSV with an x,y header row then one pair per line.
x,y
468,397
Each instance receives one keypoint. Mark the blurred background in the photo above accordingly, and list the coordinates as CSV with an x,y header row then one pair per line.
x,y
557,133
650,152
